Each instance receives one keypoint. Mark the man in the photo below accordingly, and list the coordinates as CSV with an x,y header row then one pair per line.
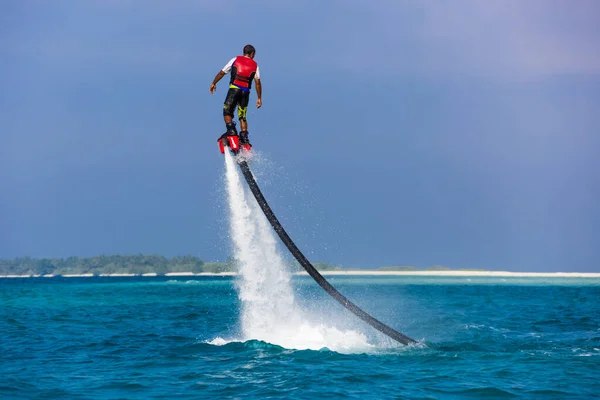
x,y
244,70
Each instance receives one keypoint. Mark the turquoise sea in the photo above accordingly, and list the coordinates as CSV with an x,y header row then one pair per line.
x,y
179,338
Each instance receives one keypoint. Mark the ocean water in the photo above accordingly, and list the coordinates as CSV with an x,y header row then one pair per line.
x,y
166,338
266,333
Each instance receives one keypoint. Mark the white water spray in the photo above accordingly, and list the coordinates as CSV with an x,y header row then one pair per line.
x,y
269,311
264,284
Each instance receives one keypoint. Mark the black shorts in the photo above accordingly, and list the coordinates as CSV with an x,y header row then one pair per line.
x,y
236,98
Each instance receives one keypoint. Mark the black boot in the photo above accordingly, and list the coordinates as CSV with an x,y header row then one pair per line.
x,y
231,130
244,137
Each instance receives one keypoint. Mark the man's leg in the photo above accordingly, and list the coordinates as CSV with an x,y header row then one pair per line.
x,y
229,105
242,110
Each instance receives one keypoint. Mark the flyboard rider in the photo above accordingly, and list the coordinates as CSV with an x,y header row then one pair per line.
x,y
244,71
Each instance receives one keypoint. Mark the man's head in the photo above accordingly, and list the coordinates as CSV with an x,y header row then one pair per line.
x,y
249,50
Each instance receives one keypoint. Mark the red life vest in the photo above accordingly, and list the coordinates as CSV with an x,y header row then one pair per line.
x,y
242,72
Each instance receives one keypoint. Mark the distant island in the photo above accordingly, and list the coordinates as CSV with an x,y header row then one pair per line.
x,y
155,265
141,264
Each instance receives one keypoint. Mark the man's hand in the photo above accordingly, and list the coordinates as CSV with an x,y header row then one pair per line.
x,y
213,85
258,103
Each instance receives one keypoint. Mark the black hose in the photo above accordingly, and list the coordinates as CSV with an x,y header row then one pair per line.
x,y
308,266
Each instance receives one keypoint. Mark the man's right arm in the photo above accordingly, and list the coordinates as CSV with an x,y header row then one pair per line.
x,y
258,87
258,92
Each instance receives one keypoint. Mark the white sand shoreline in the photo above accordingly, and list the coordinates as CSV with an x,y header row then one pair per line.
x,y
468,273
504,274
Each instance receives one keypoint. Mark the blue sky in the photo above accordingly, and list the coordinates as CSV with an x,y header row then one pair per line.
x,y
461,133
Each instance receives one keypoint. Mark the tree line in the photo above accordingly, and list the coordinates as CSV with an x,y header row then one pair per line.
x,y
107,264
145,264
119,264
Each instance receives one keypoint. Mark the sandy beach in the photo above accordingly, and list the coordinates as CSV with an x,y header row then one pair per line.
x,y
355,273
466,273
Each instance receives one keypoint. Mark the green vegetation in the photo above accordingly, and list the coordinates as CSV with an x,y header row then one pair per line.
x,y
116,264
326,267
146,264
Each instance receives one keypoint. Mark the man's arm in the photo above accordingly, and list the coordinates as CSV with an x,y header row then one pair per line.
x,y
224,71
258,92
213,85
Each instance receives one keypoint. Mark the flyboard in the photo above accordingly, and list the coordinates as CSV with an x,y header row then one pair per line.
x,y
233,143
